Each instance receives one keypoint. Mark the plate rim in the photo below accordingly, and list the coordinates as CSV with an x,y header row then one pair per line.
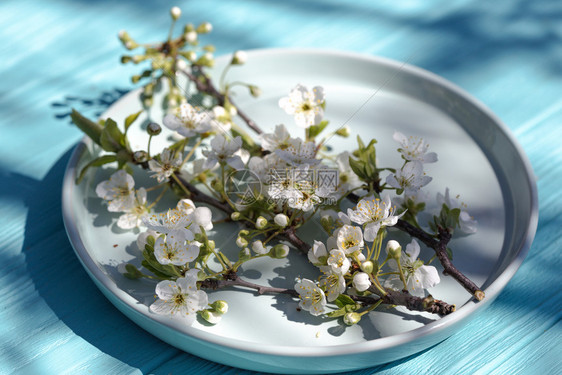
x,y
369,346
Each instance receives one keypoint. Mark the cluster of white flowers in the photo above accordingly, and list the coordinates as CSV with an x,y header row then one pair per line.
x,y
411,177
345,247
121,196
174,232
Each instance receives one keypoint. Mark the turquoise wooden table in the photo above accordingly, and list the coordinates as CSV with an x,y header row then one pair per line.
x,y
62,54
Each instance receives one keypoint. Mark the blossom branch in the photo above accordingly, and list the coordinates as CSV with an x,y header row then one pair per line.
x,y
439,245
204,84
392,297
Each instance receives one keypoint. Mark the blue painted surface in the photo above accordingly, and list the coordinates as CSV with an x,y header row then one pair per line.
x,y
64,54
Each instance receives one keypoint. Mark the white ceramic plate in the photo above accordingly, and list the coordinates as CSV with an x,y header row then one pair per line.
x,y
479,160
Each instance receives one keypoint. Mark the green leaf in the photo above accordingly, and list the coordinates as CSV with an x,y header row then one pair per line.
x,y
130,119
314,130
337,313
372,158
155,271
111,138
358,168
95,163
90,128
344,300
360,143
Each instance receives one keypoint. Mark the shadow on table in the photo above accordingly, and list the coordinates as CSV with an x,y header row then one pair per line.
x,y
93,107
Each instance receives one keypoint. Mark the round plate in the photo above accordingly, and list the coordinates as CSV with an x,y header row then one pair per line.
x,y
479,160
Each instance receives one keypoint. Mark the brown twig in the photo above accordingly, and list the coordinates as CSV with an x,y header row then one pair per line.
x,y
231,279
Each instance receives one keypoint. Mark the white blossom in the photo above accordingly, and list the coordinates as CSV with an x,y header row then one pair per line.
x,y
118,191
339,262
188,121
176,251
467,223
280,139
375,214
222,151
361,281
414,148
317,254
299,153
133,217
174,222
333,285
418,276
180,298
263,167
305,106
350,239
222,119
164,168
411,178
312,298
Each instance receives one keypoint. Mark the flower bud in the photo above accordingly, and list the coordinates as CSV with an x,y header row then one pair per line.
x,y
175,12
147,101
140,156
258,247
261,222
235,216
204,28
190,37
139,58
243,233
361,281
211,245
190,55
131,45
153,128
125,59
279,251
281,219
239,58
124,36
220,306
210,316
255,91
394,249
244,254
367,267
344,131
351,318
327,223
181,64
241,242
